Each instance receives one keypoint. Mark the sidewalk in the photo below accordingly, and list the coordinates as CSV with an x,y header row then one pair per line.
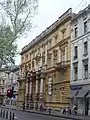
x,y
53,113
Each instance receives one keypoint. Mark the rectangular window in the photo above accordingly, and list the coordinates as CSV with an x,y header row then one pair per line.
x,y
76,32
29,65
86,71
43,59
55,55
85,27
63,34
49,59
75,71
3,82
63,55
56,39
76,52
29,56
32,64
85,47
2,90
49,43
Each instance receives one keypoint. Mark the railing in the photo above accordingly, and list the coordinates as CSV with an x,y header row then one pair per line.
x,y
62,64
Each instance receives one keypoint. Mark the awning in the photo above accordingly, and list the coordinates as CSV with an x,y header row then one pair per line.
x,y
88,96
73,93
82,93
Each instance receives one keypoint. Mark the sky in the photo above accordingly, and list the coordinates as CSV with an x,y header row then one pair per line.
x,y
48,12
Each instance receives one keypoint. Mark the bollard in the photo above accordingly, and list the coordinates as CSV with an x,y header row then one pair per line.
x,y
0,112
3,113
49,111
10,117
13,116
6,114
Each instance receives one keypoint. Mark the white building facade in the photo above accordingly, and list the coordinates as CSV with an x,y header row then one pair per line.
x,y
80,61
12,80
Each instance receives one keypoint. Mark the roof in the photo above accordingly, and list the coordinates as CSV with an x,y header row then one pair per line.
x,y
48,30
82,93
10,68
81,12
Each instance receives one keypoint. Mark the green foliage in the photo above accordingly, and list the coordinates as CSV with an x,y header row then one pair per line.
x,y
16,19
8,49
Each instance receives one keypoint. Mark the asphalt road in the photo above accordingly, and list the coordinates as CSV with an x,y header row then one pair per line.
x,y
32,116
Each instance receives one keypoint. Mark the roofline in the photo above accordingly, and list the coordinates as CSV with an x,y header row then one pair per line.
x,y
80,13
48,30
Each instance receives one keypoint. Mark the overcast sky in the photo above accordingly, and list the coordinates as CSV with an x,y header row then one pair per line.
x,y
48,12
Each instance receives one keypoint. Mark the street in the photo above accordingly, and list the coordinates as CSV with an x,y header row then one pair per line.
x,y
32,116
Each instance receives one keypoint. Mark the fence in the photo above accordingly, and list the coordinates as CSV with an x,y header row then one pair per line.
x,y
8,115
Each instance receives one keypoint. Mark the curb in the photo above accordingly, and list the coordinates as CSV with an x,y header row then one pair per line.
x,y
55,115
68,117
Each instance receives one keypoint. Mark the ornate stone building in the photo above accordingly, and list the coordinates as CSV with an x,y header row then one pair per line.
x,y
45,65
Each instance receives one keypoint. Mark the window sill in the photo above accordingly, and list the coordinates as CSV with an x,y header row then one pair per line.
x,y
85,54
75,79
75,58
85,78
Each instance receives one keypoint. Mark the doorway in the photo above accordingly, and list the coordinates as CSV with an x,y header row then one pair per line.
x,y
86,106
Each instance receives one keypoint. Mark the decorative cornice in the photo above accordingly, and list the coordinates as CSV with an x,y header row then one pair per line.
x,y
68,14
80,13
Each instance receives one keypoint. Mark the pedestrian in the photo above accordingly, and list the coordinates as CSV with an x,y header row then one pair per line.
x,y
24,106
75,109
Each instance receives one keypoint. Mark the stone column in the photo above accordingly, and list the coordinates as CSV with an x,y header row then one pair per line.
x,y
41,95
30,87
30,93
36,93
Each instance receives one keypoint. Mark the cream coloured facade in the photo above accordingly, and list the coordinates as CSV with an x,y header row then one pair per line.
x,y
45,63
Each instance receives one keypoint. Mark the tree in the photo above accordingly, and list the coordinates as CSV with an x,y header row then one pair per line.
x,y
17,19
7,49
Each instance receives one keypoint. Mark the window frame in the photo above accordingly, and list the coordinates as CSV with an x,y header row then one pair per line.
x,y
75,67
85,71
85,48
75,52
85,27
76,32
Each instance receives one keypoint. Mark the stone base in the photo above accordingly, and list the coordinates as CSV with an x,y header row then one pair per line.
x,y
41,98
35,105
31,105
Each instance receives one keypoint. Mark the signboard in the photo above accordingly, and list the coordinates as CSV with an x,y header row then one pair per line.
x,y
50,86
75,87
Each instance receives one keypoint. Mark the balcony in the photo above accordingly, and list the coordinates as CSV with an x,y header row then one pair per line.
x,y
2,93
62,65
2,85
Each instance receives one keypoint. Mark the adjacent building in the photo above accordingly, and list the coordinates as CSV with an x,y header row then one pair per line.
x,y
8,77
80,61
45,66
13,81
3,78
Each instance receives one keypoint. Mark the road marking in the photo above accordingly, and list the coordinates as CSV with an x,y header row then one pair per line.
x,y
15,117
